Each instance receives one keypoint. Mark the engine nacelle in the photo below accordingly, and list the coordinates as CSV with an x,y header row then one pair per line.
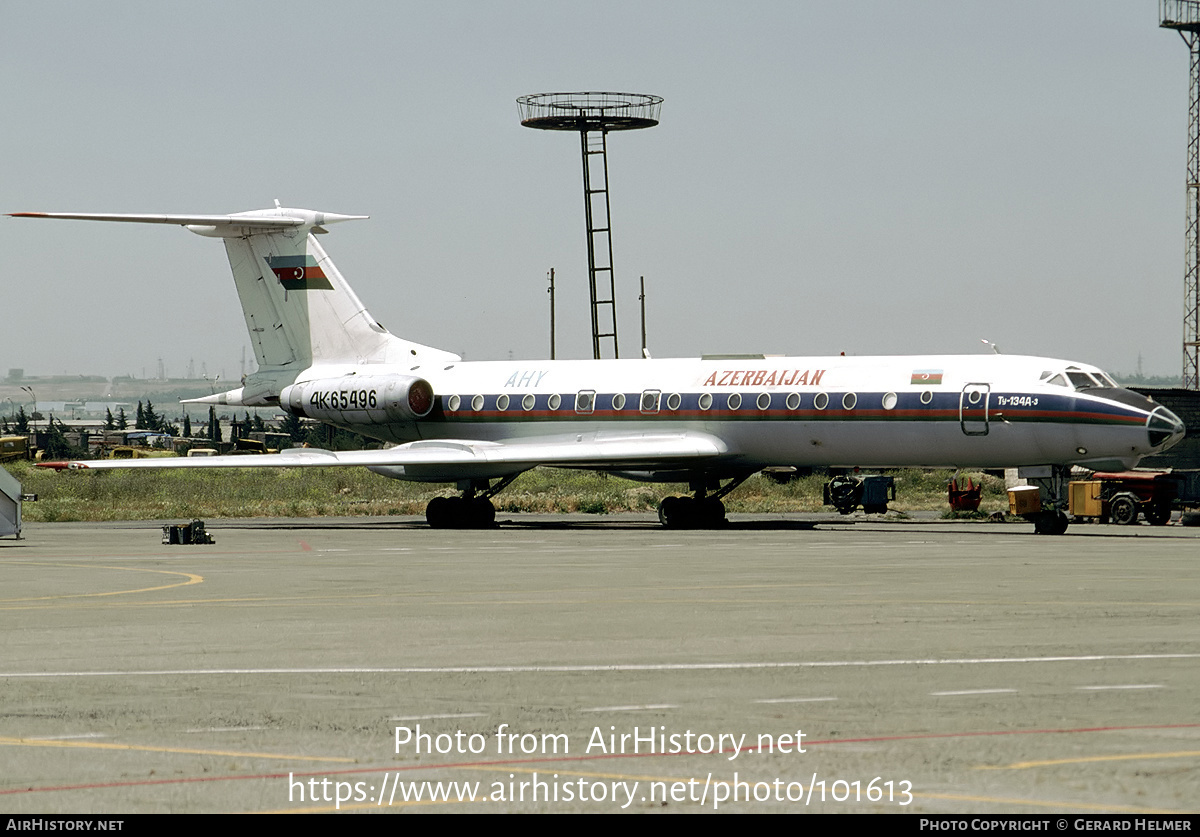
x,y
360,399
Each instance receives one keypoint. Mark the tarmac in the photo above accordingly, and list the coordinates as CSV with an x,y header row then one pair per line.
x,y
584,663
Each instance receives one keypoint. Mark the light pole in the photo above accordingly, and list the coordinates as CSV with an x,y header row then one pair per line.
x,y
33,411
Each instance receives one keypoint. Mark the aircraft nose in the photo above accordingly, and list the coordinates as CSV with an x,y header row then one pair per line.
x,y
1165,428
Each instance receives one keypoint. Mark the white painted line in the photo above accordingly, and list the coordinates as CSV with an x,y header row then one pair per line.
x,y
612,667
65,737
630,708
437,717
975,692
794,700
223,729
1106,688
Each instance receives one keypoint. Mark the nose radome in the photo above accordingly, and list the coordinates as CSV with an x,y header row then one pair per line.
x,y
1165,428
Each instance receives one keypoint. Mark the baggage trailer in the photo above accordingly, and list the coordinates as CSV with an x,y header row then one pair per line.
x,y
1123,497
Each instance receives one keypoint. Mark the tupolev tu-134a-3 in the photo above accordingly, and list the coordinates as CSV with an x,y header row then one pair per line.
x,y
709,422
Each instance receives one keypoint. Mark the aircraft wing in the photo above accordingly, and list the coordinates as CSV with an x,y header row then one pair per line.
x,y
454,459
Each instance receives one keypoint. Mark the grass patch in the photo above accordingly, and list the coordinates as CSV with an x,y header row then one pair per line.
x,y
311,492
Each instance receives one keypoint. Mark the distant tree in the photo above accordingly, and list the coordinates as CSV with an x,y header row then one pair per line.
x,y
328,437
259,426
151,419
57,446
214,425
122,419
21,425
109,421
187,426
139,423
292,426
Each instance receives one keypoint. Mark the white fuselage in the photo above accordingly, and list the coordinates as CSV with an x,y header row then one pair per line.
x,y
988,411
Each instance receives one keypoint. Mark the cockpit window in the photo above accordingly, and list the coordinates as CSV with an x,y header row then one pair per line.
x,y
1076,378
1082,380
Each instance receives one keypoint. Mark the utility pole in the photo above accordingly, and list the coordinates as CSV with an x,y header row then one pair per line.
x,y
642,300
552,313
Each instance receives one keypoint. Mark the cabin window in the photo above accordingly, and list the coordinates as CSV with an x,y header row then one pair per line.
x,y
764,401
849,400
554,401
477,403
585,401
821,401
673,401
705,400
528,402
974,395
650,399
926,397
502,403
618,401
793,401
734,401
889,401
453,403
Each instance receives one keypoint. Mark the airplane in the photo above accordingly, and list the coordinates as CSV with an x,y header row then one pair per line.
x,y
710,422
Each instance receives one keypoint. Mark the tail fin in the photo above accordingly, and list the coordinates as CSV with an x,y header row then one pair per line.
x,y
299,310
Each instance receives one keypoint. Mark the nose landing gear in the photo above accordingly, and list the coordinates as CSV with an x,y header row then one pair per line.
x,y
1051,518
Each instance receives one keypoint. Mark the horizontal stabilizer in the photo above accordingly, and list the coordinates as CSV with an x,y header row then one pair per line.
x,y
240,397
279,218
182,220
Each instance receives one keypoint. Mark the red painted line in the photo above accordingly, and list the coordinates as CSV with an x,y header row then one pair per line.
x,y
564,759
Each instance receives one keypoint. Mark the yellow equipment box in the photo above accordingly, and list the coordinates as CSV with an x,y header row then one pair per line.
x,y
1083,497
1024,499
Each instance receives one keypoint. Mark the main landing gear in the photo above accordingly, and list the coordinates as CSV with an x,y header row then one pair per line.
x,y
472,510
1052,482
700,511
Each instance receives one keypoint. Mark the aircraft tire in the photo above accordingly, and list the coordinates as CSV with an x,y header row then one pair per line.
x,y
690,513
676,512
1050,523
712,513
439,514
480,513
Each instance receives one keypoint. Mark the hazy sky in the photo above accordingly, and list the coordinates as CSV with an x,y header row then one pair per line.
x,y
868,177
